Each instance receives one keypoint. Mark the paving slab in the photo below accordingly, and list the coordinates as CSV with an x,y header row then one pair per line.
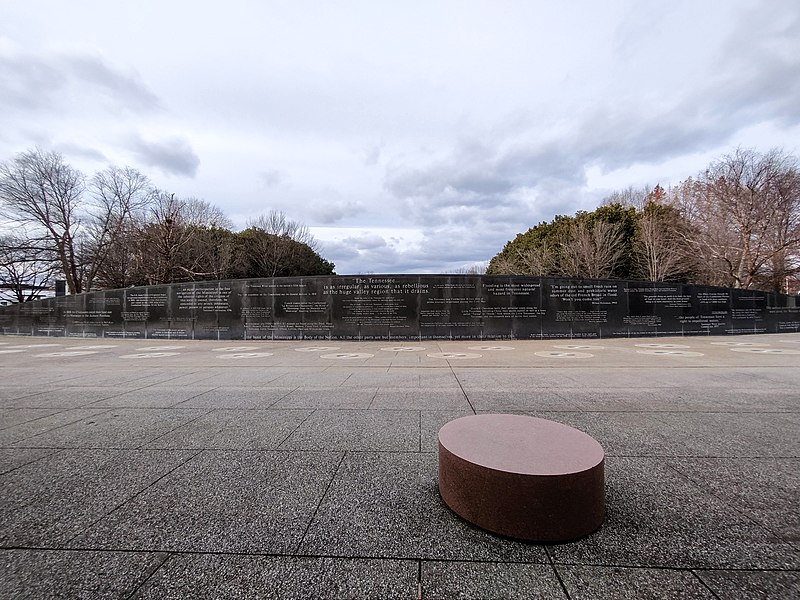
x,y
59,398
221,501
250,398
752,585
233,429
616,583
656,517
40,574
357,430
767,490
445,580
419,399
156,396
393,510
14,458
282,578
518,400
33,431
327,398
107,428
48,502
17,416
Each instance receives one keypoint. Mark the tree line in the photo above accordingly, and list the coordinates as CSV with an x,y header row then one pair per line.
x,y
115,229
735,224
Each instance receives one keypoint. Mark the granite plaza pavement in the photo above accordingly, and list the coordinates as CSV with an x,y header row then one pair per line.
x,y
188,469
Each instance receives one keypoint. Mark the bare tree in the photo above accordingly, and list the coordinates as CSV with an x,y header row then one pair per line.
x,y
277,223
785,233
658,246
592,250
637,197
539,260
504,265
743,211
121,197
26,269
267,242
39,191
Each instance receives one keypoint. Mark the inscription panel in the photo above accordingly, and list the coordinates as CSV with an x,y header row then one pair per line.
x,y
405,307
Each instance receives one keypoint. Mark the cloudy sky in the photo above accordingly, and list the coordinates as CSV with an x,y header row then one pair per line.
x,y
413,136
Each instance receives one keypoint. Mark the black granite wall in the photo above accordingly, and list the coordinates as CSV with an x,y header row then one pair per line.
x,y
405,307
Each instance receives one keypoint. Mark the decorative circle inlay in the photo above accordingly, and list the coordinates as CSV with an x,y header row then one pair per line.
x,y
578,347
403,349
234,349
669,352
453,355
102,347
347,355
317,349
67,353
490,348
738,344
33,346
150,355
562,354
767,350
245,355
160,348
669,346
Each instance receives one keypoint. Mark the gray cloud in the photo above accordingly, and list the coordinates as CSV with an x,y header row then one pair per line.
x,y
173,156
328,212
76,150
126,90
271,178
34,82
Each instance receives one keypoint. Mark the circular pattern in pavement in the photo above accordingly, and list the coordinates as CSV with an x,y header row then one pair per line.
x,y
150,355
160,348
562,354
490,348
317,349
347,355
578,347
34,346
767,350
245,355
403,349
453,355
669,352
11,351
663,346
67,353
742,344
233,349
106,347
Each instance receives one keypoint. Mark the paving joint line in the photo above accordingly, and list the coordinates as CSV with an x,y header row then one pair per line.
x,y
149,575
556,572
296,429
704,584
174,429
321,500
130,499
